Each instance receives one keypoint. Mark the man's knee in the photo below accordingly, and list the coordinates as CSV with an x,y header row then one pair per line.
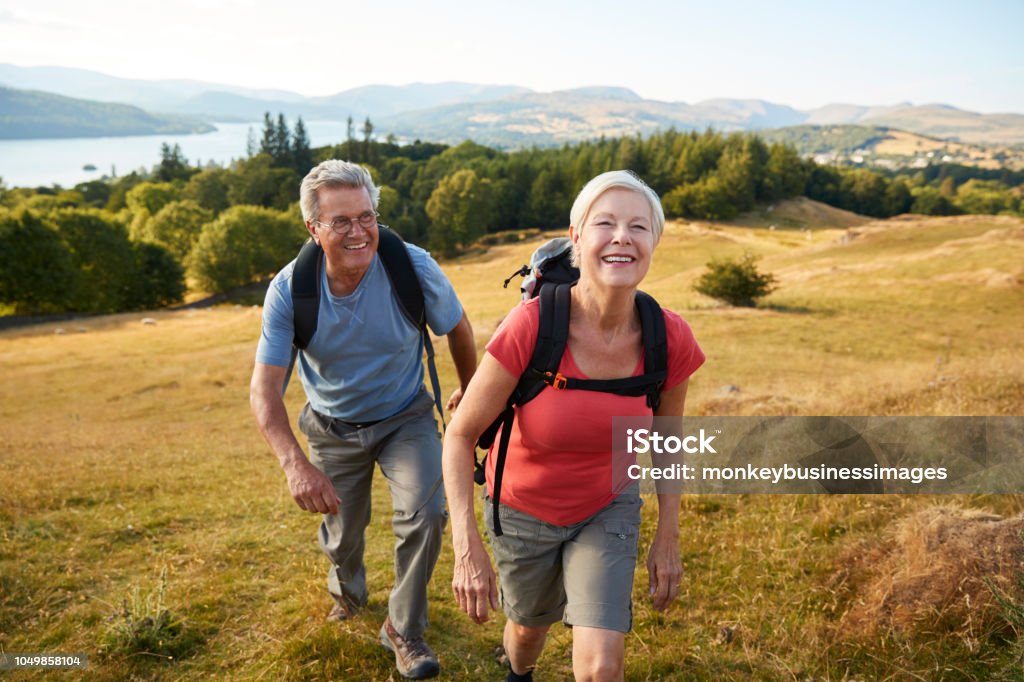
x,y
430,519
527,635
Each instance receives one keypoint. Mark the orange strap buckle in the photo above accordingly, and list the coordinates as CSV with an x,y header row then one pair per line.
x,y
557,381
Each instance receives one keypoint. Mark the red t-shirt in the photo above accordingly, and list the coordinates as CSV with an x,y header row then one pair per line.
x,y
559,462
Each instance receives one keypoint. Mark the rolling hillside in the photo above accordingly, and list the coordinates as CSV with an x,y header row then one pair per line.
x,y
146,468
891,148
32,114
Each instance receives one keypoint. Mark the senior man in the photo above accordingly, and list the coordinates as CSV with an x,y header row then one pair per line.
x,y
363,376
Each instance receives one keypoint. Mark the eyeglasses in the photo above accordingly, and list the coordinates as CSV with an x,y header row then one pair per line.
x,y
343,225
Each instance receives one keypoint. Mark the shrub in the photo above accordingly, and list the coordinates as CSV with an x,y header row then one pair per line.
x,y
38,273
102,253
176,227
144,625
244,244
159,278
737,282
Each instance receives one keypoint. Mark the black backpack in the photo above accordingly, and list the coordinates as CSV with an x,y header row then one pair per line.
x,y
306,280
552,280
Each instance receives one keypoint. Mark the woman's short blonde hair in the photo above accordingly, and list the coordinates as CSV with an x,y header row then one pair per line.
x,y
619,179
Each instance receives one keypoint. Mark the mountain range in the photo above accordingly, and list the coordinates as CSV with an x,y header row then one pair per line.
x,y
499,115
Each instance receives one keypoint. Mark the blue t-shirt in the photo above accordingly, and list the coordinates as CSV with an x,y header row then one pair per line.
x,y
365,361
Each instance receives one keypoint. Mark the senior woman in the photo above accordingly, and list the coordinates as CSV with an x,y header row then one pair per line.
x,y
569,547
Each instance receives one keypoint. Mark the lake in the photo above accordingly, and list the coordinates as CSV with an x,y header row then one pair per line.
x,y
31,163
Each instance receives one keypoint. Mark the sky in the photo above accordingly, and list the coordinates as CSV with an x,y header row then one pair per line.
x,y
803,54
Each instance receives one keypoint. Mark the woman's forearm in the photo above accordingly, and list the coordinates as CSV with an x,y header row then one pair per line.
x,y
457,463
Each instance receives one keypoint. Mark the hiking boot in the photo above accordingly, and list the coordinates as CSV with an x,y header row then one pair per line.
x,y
343,609
413,658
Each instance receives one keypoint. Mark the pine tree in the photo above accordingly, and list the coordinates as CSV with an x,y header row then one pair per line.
x,y
302,155
250,143
350,140
282,153
267,141
367,132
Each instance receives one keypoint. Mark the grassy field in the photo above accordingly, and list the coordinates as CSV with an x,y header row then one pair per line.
x,y
131,469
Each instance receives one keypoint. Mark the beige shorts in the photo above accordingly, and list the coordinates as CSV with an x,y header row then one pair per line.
x,y
582,574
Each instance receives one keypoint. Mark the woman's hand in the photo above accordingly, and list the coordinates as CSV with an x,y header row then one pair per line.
x,y
664,568
474,584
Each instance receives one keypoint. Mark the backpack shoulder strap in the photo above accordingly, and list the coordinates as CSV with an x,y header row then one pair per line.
x,y
552,337
655,340
306,292
407,290
398,266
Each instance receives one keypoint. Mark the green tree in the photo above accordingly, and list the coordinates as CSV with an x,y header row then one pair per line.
x,y
367,134
389,203
282,150
256,182
244,244
931,201
103,256
708,198
209,189
267,140
38,274
898,198
176,227
251,147
95,192
173,164
350,140
985,196
785,173
159,279
863,191
737,282
151,197
302,154
460,209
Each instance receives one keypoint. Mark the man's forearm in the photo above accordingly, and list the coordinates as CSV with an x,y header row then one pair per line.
x,y
462,346
272,418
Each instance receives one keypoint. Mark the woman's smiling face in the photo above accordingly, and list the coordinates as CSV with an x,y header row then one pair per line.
x,y
616,241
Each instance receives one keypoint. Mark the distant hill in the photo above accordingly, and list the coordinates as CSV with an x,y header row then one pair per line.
x,y
890,148
586,113
506,115
935,120
578,114
32,114
158,95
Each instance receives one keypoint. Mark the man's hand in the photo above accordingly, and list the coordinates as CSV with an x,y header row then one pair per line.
x,y
665,570
311,489
454,400
474,584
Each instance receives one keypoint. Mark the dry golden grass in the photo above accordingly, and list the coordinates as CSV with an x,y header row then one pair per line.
x,y
937,570
129,449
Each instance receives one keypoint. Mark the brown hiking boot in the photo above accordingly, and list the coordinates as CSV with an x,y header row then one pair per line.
x,y
413,658
343,609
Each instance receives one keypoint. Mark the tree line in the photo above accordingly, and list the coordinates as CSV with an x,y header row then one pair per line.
x,y
134,241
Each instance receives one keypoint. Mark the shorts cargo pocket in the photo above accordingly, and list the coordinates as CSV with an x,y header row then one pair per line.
x,y
516,534
621,536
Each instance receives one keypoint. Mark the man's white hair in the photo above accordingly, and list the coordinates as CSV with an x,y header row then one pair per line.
x,y
619,179
333,173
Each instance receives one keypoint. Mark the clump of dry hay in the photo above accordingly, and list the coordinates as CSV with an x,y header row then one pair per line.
x,y
934,571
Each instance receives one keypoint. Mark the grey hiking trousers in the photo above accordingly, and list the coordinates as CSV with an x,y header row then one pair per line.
x,y
407,449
